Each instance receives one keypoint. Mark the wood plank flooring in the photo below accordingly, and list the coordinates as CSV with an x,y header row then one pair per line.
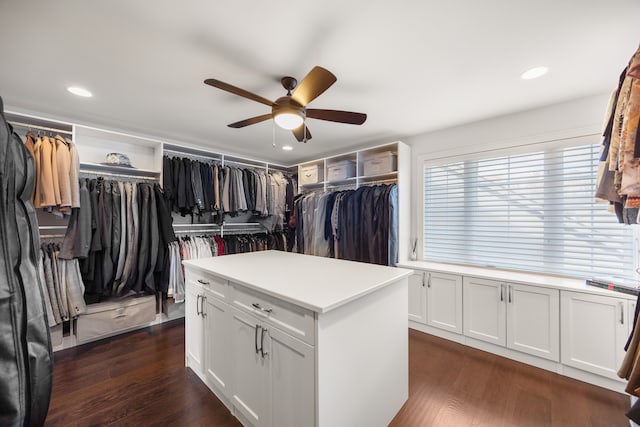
x,y
140,379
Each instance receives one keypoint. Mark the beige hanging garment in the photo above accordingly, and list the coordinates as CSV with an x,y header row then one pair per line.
x,y
54,171
46,181
74,172
629,164
63,164
37,155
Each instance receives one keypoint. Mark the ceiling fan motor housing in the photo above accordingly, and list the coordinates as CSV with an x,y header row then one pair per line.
x,y
286,105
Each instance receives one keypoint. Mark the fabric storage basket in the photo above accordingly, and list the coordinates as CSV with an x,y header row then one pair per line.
x,y
107,318
310,175
380,163
341,170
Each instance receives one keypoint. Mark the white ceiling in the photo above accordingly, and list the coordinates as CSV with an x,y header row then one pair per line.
x,y
412,66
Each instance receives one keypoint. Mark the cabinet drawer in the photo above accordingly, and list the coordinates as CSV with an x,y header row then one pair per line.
x,y
295,321
211,284
109,318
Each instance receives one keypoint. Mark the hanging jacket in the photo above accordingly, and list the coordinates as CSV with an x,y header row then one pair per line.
x,y
26,359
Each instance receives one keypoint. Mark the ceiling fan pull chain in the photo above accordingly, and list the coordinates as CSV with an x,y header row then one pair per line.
x,y
273,132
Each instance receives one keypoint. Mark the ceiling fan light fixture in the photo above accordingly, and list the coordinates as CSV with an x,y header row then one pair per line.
x,y
288,120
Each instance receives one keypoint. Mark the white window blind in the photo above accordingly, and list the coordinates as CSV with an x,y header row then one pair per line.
x,y
532,212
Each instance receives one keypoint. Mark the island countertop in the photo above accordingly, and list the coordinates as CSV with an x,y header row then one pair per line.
x,y
317,283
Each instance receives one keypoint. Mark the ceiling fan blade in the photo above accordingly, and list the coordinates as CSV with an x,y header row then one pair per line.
x,y
348,117
237,91
251,121
299,133
313,85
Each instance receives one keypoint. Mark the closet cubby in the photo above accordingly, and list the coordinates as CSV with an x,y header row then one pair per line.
x,y
341,169
94,144
376,165
311,174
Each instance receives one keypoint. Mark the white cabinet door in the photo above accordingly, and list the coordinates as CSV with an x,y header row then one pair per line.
x,y
594,330
484,310
218,358
250,391
417,297
292,389
444,302
194,331
533,320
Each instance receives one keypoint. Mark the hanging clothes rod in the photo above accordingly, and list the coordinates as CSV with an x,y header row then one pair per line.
x,y
244,164
29,126
51,236
196,225
229,224
203,231
52,227
380,181
120,175
189,155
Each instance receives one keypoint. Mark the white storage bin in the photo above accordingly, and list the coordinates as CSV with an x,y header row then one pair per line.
x,y
311,174
341,170
380,163
108,318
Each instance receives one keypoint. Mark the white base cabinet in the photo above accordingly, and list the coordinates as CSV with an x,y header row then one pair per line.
x,y
575,331
277,364
594,331
520,317
273,374
208,337
418,297
444,302
533,320
435,299
485,316
194,336
218,363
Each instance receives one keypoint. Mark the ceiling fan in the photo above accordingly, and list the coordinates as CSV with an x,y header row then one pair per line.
x,y
290,111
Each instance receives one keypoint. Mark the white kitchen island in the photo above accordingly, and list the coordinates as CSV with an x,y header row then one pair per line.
x,y
295,340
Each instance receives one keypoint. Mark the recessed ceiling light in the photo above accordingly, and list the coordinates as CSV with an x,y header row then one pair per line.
x,y
80,91
287,147
534,73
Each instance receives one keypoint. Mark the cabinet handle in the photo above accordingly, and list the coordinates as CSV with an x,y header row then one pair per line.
x,y
262,352
198,305
621,313
510,289
423,275
204,282
202,300
255,339
501,292
258,307
429,281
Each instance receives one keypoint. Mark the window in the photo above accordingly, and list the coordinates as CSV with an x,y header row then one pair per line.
x,y
532,212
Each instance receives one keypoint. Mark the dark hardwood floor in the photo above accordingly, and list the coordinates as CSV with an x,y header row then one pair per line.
x,y
140,379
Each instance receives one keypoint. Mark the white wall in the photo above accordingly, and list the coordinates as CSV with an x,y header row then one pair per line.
x,y
579,117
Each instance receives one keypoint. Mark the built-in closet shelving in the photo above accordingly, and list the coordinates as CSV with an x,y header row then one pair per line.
x,y
397,173
146,155
327,181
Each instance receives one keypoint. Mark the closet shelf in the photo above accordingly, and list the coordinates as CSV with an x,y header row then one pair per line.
x,y
117,170
380,177
313,185
351,180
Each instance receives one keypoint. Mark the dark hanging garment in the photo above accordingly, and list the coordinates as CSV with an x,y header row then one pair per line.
x,y
26,360
167,179
166,236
